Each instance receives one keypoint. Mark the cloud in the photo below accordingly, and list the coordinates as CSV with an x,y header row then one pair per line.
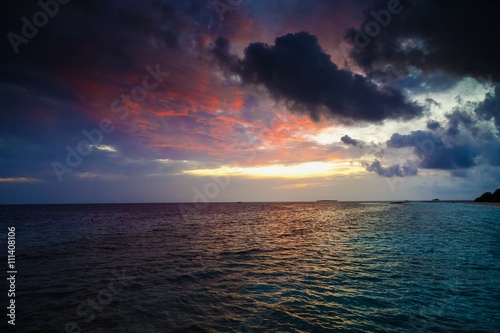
x,y
465,140
298,72
65,80
392,171
414,139
433,152
490,107
459,173
433,125
350,141
454,37
458,118
18,180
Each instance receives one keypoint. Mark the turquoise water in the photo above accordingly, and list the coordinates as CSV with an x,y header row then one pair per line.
x,y
257,267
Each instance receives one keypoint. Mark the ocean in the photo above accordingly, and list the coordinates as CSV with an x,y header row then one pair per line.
x,y
253,267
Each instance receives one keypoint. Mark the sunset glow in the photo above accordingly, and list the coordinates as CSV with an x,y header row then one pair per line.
x,y
306,170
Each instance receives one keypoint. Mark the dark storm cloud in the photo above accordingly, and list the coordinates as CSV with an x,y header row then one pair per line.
x,y
297,71
221,51
434,153
490,107
433,125
106,36
431,102
350,141
491,153
455,37
100,41
467,125
392,171
456,119
413,139
472,147
448,158
87,39
462,142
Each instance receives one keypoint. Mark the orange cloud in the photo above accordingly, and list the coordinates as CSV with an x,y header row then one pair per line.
x,y
192,113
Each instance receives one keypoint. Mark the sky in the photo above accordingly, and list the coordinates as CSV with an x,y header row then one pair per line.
x,y
248,100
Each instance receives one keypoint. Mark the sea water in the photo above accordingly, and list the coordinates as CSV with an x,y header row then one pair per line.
x,y
254,267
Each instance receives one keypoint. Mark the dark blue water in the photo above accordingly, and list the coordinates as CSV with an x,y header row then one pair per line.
x,y
255,267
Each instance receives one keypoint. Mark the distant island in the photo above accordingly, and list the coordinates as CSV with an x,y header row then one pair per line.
x,y
326,200
489,197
